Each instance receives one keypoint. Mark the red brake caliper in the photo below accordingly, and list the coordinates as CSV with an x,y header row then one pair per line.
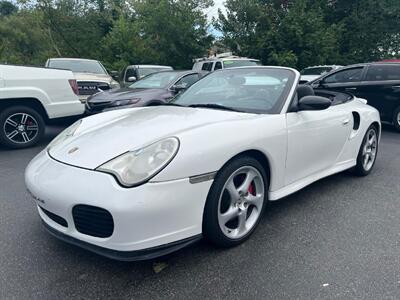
x,y
251,189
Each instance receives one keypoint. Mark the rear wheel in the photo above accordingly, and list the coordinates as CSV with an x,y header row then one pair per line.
x,y
396,119
367,155
20,127
236,202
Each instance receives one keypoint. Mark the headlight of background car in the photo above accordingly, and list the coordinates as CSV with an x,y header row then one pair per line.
x,y
114,85
70,131
126,102
136,167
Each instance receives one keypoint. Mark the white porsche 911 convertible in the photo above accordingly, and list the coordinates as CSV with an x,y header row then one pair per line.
x,y
139,183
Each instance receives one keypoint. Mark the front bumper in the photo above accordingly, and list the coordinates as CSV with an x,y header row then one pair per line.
x,y
155,214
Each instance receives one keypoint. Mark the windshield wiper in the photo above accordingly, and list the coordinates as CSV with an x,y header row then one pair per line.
x,y
214,106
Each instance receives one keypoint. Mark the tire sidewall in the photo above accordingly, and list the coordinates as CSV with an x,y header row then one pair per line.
x,y
20,109
211,227
395,119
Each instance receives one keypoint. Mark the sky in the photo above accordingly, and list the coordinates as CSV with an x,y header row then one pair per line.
x,y
213,12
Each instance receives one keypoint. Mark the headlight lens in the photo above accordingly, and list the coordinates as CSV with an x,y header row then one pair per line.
x,y
136,167
70,131
114,85
126,102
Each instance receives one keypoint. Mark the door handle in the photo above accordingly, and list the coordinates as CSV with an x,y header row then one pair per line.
x,y
350,89
346,122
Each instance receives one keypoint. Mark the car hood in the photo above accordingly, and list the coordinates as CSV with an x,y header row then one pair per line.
x,y
92,77
123,94
103,137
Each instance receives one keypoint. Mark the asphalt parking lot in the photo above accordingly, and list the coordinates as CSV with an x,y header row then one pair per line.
x,y
337,239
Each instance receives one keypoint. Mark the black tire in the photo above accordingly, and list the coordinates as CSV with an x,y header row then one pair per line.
x,y
360,169
211,228
19,141
396,119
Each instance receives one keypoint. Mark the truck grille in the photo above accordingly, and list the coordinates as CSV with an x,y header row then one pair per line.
x,y
93,221
88,88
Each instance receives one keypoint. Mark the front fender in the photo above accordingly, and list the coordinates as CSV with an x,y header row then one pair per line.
x,y
207,149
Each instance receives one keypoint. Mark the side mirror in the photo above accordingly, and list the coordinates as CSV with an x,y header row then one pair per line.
x,y
314,103
114,74
179,87
132,79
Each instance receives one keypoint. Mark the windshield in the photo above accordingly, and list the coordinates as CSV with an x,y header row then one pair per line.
x,y
78,66
241,63
156,81
316,71
147,71
254,90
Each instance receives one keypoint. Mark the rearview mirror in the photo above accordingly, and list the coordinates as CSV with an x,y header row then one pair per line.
x,y
131,79
314,103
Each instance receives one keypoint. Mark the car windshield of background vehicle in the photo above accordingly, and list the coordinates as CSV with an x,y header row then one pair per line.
x,y
155,81
316,71
254,90
147,71
241,63
78,66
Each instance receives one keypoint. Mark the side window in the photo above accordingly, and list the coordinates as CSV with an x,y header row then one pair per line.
x,y
188,80
210,66
218,66
349,75
205,66
383,72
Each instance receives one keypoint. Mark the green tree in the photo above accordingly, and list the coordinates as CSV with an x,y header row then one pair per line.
x,y
7,8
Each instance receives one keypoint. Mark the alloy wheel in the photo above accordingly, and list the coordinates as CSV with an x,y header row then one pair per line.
x,y
21,128
370,149
240,202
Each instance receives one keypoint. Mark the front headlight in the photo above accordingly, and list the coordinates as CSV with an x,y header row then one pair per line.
x,y
114,85
135,167
126,102
69,132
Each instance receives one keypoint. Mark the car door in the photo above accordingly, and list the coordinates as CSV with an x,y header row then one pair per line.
x,y
344,80
381,88
315,140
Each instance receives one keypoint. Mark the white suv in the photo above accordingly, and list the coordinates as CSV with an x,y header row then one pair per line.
x,y
223,61
29,98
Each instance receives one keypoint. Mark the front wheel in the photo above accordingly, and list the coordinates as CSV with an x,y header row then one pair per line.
x,y
396,119
236,202
20,127
367,154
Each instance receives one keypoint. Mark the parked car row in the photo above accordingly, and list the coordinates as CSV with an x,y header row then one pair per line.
x,y
40,95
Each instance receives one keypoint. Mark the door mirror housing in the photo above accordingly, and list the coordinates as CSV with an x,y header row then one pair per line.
x,y
314,103
179,87
132,79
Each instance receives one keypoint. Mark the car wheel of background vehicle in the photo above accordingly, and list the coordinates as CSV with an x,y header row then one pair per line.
x,y
396,119
367,155
236,202
20,127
